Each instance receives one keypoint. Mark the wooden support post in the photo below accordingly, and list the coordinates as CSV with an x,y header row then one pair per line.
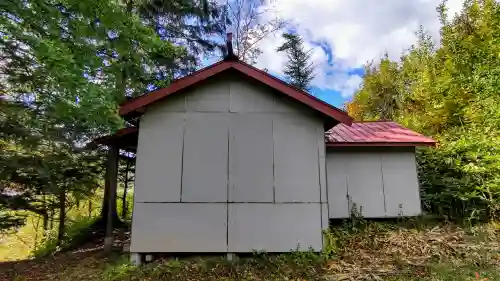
x,y
112,182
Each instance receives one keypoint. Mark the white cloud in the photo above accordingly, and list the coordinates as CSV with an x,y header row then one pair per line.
x,y
356,30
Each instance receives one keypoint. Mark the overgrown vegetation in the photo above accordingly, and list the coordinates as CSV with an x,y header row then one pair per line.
x,y
450,92
410,249
65,66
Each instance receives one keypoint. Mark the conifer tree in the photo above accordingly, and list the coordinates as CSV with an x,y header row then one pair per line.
x,y
299,69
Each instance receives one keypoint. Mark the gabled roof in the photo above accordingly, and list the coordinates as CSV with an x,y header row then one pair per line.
x,y
134,106
378,133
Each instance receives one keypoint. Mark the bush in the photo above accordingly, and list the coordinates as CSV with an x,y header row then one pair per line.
x,y
461,179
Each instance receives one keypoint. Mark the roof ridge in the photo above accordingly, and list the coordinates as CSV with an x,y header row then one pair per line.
x,y
133,107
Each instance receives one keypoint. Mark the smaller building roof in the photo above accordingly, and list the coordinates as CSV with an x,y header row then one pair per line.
x,y
376,133
125,138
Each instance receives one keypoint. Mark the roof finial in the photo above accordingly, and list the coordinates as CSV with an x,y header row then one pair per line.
x,y
229,44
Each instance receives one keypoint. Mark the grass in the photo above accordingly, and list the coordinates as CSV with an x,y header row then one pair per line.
x,y
408,249
27,240
357,250
19,245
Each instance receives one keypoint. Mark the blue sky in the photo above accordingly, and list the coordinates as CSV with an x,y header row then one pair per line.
x,y
345,35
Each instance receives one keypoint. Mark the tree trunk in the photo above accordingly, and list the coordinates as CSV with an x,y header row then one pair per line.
x,y
112,183
62,216
45,218
106,206
125,187
51,219
90,208
45,215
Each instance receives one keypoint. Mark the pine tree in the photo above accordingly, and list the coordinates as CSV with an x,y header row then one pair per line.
x,y
299,69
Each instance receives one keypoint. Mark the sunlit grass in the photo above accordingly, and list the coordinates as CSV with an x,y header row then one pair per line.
x,y
20,244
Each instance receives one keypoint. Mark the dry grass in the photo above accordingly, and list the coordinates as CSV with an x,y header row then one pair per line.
x,y
370,251
387,250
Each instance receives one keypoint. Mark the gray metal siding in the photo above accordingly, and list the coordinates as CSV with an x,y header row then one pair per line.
x,y
179,227
274,227
322,164
402,196
338,206
381,183
250,98
296,163
232,143
251,165
211,96
158,172
365,188
204,174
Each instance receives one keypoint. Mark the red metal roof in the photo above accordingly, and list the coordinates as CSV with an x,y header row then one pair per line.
x,y
134,106
378,133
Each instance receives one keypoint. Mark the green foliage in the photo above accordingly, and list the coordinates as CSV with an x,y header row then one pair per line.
x,y
8,221
461,179
194,23
449,92
66,65
74,229
299,69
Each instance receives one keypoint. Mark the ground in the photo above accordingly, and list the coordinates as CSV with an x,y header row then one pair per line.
x,y
358,250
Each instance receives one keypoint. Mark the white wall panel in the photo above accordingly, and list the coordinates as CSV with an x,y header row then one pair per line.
x,y
212,96
364,179
159,157
322,162
251,158
338,206
274,227
229,137
249,97
324,216
401,184
179,227
383,183
285,104
296,175
205,173
173,103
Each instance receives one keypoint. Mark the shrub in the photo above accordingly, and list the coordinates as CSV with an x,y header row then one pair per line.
x,y
461,179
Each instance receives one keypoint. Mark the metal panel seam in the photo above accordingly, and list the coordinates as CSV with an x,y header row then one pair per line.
x,y
274,169
182,153
383,182
348,198
326,191
414,152
320,190
228,184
